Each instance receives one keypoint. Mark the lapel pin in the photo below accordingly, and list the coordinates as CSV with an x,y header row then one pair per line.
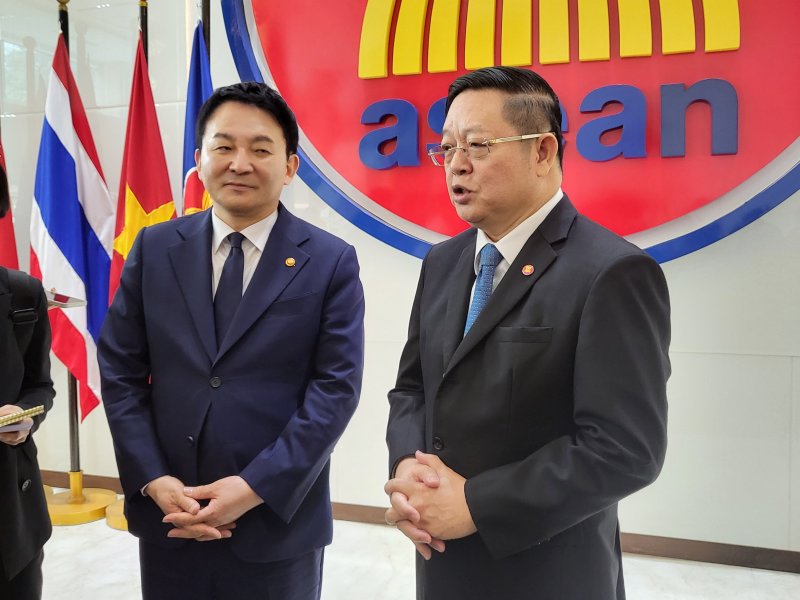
x,y
290,262
527,270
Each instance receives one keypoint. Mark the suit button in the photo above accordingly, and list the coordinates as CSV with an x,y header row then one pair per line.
x,y
190,440
215,382
438,443
25,485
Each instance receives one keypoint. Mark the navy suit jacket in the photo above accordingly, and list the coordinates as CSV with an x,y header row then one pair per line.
x,y
553,406
269,404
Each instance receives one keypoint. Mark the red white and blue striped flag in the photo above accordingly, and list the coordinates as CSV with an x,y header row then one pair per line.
x,y
72,228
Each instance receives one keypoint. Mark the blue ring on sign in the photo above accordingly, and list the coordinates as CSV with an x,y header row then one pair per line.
x,y
245,61
755,208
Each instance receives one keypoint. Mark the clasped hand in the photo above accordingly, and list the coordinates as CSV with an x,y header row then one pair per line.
x,y
228,499
428,503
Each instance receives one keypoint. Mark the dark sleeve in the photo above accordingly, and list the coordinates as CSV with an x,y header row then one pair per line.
x,y
124,358
284,472
405,433
619,414
37,386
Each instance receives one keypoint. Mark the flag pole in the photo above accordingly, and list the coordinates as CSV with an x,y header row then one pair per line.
x,y
143,25
63,20
115,513
205,16
74,435
79,504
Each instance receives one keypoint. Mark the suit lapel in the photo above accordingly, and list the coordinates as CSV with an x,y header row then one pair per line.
x,y
271,276
538,251
458,299
191,262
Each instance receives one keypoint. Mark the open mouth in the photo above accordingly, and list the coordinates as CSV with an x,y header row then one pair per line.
x,y
459,193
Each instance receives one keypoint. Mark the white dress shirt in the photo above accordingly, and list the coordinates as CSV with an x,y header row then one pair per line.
x,y
510,244
255,238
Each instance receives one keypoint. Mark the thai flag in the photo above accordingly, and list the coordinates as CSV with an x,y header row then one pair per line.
x,y
72,228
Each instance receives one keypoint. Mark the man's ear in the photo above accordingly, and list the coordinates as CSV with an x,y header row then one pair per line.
x,y
197,164
546,154
292,164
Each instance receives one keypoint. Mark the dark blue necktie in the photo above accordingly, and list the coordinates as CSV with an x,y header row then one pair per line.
x,y
490,258
229,289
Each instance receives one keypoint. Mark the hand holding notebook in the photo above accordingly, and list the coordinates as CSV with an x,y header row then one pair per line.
x,y
13,422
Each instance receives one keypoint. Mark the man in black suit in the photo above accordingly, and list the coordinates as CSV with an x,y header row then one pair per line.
x,y
25,373
531,394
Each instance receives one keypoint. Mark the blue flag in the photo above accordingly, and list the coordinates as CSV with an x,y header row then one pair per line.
x,y
195,197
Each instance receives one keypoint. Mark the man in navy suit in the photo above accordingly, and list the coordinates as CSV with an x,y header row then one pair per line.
x,y
531,394
231,360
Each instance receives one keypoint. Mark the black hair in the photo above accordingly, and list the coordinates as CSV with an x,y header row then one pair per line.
x,y
532,105
255,94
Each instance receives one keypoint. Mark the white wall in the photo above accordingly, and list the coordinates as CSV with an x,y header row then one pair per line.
x,y
733,467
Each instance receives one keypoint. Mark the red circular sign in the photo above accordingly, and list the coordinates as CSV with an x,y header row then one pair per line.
x,y
312,53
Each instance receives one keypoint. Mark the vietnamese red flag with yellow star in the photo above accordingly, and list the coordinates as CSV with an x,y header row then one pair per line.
x,y
145,196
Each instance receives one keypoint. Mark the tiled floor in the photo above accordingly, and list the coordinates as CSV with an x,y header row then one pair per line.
x,y
373,562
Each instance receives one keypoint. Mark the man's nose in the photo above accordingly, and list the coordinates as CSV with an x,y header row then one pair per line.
x,y
460,163
240,161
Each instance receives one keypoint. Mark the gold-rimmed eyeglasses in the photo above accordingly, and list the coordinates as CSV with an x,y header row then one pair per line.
x,y
475,149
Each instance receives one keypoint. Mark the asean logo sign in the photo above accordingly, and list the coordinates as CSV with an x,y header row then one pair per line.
x,y
681,117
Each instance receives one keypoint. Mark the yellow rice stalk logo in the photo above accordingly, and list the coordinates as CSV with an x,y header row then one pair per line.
x,y
519,41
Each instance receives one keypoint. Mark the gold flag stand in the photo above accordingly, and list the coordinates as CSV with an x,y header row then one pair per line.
x,y
78,504
115,516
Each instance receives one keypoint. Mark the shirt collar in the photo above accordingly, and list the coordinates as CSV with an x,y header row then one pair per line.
x,y
257,233
511,243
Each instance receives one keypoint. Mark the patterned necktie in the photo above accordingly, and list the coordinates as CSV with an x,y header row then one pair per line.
x,y
490,258
229,289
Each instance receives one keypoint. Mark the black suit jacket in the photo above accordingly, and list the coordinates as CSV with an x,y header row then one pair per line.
x,y
24,522
553,406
